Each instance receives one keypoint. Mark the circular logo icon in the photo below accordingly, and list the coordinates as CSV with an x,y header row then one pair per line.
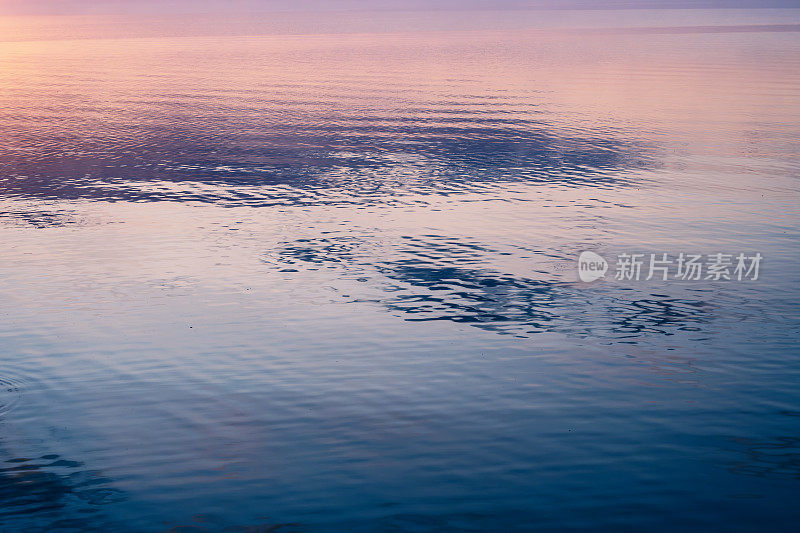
x,y
591,267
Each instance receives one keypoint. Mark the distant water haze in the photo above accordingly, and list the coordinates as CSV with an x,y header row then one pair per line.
x,y
222,6
116,25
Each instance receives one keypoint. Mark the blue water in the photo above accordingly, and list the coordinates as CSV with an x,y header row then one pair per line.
x,y
326,281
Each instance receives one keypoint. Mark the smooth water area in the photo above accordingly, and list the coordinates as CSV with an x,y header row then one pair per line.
x,y
321,276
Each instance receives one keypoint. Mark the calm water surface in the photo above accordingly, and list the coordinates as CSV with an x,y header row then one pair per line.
x,y
325,281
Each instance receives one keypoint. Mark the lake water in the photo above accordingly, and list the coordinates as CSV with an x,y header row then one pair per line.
x,y
318,273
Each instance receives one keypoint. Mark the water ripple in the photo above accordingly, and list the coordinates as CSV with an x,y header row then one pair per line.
x,y
10,394
444,278
51,493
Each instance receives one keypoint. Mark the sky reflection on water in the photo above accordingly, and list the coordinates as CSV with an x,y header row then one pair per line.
x,y
326,282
